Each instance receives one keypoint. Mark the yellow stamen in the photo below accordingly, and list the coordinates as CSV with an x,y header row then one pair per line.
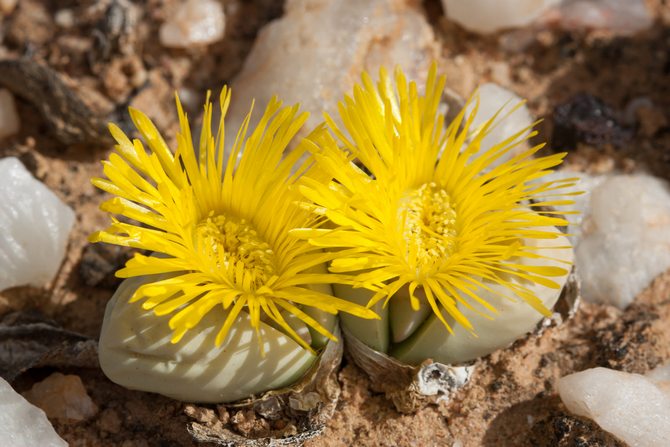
x,y
228,241
428,224
414,202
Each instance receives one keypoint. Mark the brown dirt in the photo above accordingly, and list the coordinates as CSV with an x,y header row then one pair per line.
x,y
511,400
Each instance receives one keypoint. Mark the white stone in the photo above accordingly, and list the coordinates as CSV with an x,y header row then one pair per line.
x,y
194,23
62,397
513,117
489,16
316,52
619,16
7,6
135,352
625,238
512,320
629,406
9,117
23,424
34,228
661,377
64,18
585,184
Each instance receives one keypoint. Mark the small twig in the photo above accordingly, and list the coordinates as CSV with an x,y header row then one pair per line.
x,y
70,119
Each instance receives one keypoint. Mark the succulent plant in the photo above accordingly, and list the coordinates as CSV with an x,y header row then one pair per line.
x,y
229,305
456,248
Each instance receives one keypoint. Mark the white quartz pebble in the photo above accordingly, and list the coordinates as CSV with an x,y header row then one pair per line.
x,y
7,6
316,52
585,184
9,117
34,228
513,117
619,16
625,238
195,22
62,397
661,377
629,406
489,16
23,424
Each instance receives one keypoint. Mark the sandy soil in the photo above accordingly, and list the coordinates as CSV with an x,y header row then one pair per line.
x,y
511,400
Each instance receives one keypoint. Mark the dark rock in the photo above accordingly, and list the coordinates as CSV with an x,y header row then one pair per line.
x,y
99,262
565,430
619,345
587,119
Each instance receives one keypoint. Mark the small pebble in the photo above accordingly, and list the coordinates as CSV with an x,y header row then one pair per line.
x,y
617,16
64,18
661,377
490,16
62,397
586,119
109,421
9,117
194,23
629,406
201,414
625,238
23,424
316,51
493,98
585,184
34,224
7,6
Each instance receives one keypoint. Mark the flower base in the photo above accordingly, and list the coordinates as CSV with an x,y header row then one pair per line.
x,y
136,352
302,409
411,388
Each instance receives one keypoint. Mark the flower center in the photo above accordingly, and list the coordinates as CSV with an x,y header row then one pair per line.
x,y
428,223
234,243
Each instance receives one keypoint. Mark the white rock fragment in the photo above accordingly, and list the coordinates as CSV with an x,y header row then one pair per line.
x,y
34,227
661,377
9,117
65,18
7,6
625,238
585,184
23,424
194,23
62,397
512,119
316,52
135,351
618,16
629,406
489,16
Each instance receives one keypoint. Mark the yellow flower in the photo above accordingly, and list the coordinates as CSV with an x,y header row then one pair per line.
x,y
218,223
413,205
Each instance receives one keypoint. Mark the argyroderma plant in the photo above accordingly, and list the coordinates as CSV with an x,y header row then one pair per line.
x,y
231,304
456,248
445,241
